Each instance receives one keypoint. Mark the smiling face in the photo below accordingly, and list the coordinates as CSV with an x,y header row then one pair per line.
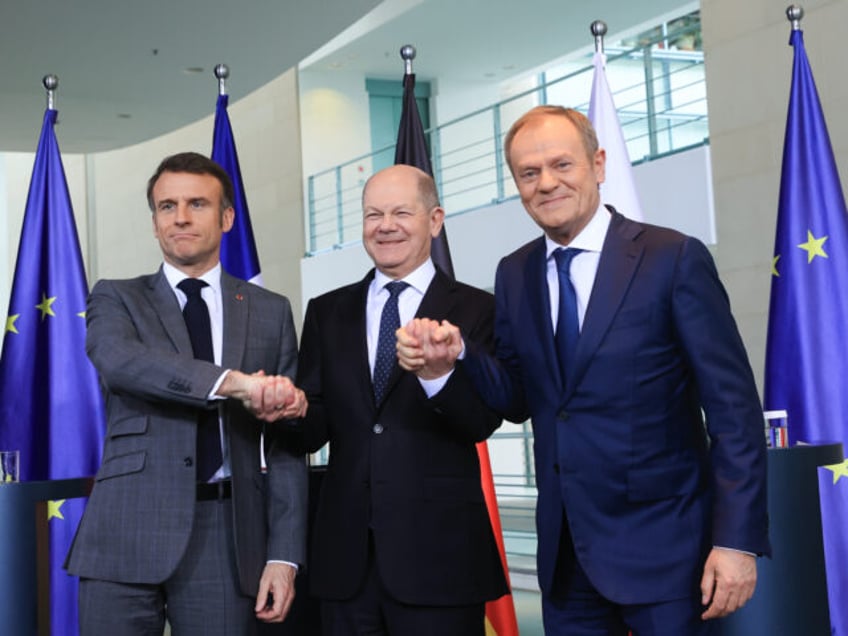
x,y
188,220
399,220
557,177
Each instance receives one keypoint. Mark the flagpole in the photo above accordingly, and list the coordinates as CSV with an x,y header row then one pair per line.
x,y
43,354
239,256
222,72
407,53
412,150
794,13
808,308
619,186
599,30
51,83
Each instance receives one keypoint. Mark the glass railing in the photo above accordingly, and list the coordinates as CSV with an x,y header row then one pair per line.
x,y
660,94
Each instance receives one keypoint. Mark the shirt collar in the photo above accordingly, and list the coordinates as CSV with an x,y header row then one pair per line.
x,y
212,277
419,279
591,237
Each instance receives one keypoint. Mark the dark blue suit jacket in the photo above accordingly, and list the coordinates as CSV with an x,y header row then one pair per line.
x,y
626,466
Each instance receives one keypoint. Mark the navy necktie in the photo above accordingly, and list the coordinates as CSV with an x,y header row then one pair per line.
x,y
196,315
568,325
386,357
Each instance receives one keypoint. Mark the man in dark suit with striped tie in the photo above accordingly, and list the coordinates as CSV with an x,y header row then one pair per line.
x,y
191,517
402,544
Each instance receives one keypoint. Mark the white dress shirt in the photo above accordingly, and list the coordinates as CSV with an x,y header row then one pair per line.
x,y
584,266
211,295
408,302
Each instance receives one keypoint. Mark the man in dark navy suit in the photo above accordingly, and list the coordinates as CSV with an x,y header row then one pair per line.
x,y
616,338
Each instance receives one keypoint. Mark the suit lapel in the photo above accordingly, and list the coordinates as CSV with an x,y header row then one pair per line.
x,y
350,336
165,304
235,303
438,299
620,258
354,320
538,309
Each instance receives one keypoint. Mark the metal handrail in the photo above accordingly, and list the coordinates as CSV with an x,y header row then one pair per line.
x,y
472,173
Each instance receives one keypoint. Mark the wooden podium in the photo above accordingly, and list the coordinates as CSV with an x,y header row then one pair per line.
x,y
791,594
24,552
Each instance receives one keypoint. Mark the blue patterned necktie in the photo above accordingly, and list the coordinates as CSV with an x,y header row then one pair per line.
x,y
385,360
196,315
568,325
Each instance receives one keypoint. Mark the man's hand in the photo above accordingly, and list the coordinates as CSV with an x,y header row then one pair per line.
x,y
728,582
428,348
269,398
276,592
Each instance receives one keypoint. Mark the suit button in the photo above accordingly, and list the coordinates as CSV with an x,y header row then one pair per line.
x,y
556,468
378,428
562,416
188,461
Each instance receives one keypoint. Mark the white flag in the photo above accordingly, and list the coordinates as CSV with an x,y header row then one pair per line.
x,y
618,188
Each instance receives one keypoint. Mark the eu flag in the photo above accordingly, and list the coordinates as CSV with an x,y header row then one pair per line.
x,y
238,249
806,352
50,401
411,150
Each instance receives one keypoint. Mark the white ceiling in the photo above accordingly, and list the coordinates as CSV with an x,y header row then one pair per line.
x,y
487,40
122,65
122,57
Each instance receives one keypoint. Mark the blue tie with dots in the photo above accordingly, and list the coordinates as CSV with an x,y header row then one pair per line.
x,y
196,315
568,325
386,357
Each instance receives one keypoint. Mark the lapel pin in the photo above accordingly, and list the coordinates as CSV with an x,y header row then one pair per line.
x,y
239,297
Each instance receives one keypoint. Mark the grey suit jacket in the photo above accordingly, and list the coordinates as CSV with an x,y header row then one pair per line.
x,y
139,518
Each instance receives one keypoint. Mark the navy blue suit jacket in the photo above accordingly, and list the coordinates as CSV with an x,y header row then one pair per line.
x,y
632,480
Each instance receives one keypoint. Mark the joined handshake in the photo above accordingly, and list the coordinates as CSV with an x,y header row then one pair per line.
x,y
267,397
428,348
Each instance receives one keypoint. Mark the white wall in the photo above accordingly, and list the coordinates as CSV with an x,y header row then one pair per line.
x,y
334,119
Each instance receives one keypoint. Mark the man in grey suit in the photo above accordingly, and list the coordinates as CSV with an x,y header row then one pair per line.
x,y
191,517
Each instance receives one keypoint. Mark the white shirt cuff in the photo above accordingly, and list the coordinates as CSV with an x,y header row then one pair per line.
x,y
213,394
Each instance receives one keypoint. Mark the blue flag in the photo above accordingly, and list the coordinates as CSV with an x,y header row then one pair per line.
x,y
806,352
238,249
52,410
411,150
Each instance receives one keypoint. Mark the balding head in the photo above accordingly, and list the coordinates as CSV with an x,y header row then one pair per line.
x,y
401,215
425,185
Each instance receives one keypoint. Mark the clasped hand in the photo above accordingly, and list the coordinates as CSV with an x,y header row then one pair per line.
x,y
428,348
268,397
